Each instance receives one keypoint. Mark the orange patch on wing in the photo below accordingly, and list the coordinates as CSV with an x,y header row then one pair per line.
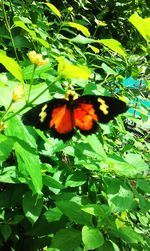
x,y
61,120
84,116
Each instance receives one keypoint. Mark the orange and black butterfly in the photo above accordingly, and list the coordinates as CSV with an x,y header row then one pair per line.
x,y
62,116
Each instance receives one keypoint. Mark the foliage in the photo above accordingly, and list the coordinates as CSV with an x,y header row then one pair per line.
x,y
89,193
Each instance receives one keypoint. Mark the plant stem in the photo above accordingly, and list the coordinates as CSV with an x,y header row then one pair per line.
x,y
31,82
9,30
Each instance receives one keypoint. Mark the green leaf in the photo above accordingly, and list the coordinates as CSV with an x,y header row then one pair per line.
x,y
130,235
76,179
67,239
92,238
19,23
6,145
29,165
32,206
5,231
79,39
143,185
51,182
142,25
122,200
131,165
74,212
9,175
53,214
16,130
11,65
108,70
79,27
137,162
114,45
54,9
96,146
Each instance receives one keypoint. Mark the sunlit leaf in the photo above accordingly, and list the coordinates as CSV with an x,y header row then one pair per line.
x,y
69,71
114,45
54,9
93,48
142,25
79,27
11,65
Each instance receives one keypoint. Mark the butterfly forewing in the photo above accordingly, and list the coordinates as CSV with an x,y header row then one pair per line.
x,y
54,115
61,116
105,108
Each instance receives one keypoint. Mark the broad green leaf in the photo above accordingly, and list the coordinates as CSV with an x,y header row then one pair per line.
x,y
79,39
5,231
92,238
142,25
114,45
53,214
17,130
69,71
51,182
54,9
74,212
122,200
6,145
130,235
76,179
96,146
131,165
137,162
102,211
67,239
32,206
29,165
79,27
143,185
11,65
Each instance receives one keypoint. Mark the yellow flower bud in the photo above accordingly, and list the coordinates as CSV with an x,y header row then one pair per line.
x,y
36,58
17,93
3,126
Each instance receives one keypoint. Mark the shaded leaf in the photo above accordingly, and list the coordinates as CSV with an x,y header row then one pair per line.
x,y
32,206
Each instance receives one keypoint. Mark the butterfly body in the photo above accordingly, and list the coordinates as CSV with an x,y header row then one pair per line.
x,y
61,116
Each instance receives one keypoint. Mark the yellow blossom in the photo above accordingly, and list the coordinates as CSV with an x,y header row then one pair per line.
x,y
36,58
17,93
69,71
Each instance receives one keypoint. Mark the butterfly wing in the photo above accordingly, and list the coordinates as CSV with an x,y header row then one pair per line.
x,y
89,109
54,115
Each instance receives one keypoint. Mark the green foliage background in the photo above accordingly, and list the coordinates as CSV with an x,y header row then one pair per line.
x,y
89,193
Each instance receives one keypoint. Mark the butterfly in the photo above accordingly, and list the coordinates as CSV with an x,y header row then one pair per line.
x,y
62,116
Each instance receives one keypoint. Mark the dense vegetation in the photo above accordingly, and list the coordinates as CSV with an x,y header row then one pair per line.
x,y
90,192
